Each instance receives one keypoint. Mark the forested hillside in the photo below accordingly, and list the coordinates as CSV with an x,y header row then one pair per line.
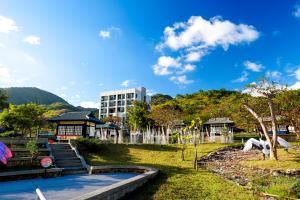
x,y
21,95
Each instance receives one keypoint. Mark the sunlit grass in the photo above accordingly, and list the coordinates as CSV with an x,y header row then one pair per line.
x,y
177,179
286,160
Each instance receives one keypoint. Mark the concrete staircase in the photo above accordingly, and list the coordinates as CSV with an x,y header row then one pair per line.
x,y
66,158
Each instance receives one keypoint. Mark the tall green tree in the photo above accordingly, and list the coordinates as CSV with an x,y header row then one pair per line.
x,y
3,100
25,118
138,116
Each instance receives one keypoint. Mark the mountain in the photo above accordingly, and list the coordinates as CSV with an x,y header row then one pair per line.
x,y
21,95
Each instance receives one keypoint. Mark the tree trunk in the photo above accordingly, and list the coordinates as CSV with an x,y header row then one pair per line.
x,y
274,128
195,157
182,151
273,151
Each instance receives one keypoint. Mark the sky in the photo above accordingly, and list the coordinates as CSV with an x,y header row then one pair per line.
x,y
78,49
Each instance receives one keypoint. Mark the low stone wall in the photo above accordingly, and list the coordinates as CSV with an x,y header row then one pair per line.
x,y
118,190
20,140
27,174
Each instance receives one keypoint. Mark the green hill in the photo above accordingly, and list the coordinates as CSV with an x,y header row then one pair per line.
x,y
21,95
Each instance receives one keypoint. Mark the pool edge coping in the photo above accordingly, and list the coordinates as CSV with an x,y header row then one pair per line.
x,y
119,189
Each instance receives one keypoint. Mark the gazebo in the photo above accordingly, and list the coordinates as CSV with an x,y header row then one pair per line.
x,y
108,131
72,125
215,127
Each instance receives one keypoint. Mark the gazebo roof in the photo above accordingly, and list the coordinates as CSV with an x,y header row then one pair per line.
x,y
77,116
220,120
107,126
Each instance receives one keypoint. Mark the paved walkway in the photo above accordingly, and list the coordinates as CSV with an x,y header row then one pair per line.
x,y
65,187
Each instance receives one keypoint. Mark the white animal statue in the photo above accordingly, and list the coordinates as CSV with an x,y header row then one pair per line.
x,y
264,145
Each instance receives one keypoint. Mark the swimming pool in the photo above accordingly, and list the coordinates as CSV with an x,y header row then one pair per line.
x,y
65,187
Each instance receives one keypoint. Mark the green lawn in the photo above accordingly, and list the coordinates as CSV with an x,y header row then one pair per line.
x,y
286,160
177,179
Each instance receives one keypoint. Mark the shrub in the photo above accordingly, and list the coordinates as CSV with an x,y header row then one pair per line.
x,y
92,145
33,149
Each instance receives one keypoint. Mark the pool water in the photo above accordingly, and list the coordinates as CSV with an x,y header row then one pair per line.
x,y
64,187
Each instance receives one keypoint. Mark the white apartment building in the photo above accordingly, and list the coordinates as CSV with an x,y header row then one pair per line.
x,y
115,103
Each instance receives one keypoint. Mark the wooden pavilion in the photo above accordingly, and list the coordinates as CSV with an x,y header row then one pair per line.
x,y
72,125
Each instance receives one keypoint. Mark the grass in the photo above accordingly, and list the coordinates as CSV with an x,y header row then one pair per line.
x,y
278,185
286,160
177,179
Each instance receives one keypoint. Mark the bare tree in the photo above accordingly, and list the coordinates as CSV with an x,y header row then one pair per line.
x,y
268,90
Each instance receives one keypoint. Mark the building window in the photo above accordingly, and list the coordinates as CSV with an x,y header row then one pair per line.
x,y
77,130
104,104
104,98
121,103
112,97
61,130
121,109
112,110
121,96
130,95
103,110
70,130
112,103
129,102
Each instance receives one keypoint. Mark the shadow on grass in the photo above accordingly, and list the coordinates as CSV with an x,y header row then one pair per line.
x,y
154,147
150,188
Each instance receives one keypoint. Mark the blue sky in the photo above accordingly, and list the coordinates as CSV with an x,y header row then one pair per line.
x,y
77,49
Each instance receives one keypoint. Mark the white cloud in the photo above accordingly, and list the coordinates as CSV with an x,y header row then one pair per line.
x,y
104,34
127,83
150,92
273,74
29,58
194,56
253,66
165,64
243,78
63,88
202,33
190,41
4,73
63,95
297,11
77,96
7,25
181,80
33,40
89,104
187,68
297,74
108,33
295,86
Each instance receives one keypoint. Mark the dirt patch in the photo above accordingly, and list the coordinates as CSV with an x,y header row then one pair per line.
x,y
226,162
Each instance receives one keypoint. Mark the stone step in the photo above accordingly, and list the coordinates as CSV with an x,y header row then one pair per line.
x,y
68,166
68,162
67,158
61,148
73,170
64,154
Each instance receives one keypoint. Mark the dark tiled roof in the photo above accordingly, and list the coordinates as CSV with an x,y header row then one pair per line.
x,y
107,126
222,120
77,116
